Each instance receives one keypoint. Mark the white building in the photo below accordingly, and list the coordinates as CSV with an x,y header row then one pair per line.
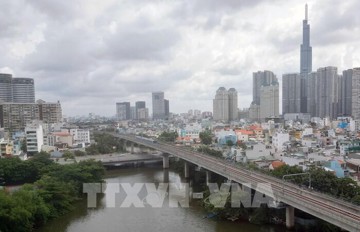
x,y
279,139
307,131
34,137
80,135
191,130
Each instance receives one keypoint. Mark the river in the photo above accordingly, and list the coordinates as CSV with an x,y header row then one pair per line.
x,y
148,219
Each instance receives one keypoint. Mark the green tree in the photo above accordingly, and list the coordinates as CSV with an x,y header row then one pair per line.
x,y
68,155
168,136
79,153
206,137
23,146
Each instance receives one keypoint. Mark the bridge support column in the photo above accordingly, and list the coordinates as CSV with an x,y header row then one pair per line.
x,y
132,148
186,170
165,160
208,177
166,176
290,217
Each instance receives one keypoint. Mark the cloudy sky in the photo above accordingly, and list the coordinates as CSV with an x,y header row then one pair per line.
x,y
90,54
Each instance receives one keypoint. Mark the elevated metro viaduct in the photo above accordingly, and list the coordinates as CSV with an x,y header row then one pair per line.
x,y
340,213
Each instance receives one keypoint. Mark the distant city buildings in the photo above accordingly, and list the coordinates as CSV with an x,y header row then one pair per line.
x,y
225,105
261,78
16,90
160,106
291,93
269,101
124,111
265,96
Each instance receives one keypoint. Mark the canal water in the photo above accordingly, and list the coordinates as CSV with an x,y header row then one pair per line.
x,y
148,219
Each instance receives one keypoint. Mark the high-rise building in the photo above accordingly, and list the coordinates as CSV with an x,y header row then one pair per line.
x,y
221,105
5,87
15,116
311,86
269,101
233,104
123,111
225,105
167,108
17,90
143,114
346,89
49,112
327,93
305,48
261,78
254,112
23,90
291,93
160,106
355,93
133,115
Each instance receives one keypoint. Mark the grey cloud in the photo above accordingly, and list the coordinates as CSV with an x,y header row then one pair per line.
x,y
335,22
151,44
62,51
58,10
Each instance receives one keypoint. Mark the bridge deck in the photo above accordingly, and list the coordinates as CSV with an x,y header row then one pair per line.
x,y
335,211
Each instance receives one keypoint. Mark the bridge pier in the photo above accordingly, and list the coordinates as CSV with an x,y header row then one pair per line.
x,y
166,176
186,169
208,177
165,160
290,217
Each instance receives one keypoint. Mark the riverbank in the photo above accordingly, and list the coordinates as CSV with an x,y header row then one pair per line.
x,y
150,219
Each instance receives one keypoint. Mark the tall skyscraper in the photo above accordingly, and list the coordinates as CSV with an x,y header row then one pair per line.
x,y
140,106
16,90
355,93
291,93
221,105
233,104
5,87
305,48
269,101
225,105
305,63
327,94
311,86
160,106
23,90
167,109
261,78
123,110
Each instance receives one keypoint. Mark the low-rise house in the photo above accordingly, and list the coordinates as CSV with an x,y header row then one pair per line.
x,y
256,150
279,140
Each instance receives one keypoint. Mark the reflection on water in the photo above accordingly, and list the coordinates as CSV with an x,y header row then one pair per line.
x,y
148,218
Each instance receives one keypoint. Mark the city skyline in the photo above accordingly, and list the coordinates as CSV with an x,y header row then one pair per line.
x,y
101,55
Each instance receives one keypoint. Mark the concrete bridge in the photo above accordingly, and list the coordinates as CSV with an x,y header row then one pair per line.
x,y
110,160
335,211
